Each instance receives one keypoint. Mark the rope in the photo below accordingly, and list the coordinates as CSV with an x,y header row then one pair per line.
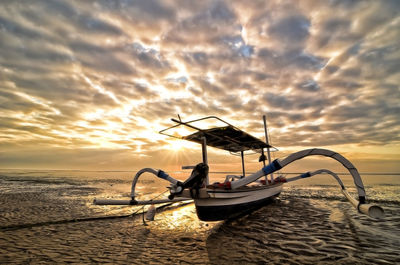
x,y
22,226
144,222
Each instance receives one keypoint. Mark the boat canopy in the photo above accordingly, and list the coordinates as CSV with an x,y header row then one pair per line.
x,y
226,137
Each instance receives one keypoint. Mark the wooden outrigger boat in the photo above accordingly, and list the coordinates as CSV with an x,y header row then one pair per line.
x,y
238,195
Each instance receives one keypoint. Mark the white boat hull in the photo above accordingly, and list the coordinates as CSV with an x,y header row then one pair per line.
x,y
225,204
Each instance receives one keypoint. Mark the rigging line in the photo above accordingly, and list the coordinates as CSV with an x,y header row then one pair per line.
x,y
22,226
144,222
17,227
134,213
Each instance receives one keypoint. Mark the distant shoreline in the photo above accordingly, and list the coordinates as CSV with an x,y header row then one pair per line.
x,y
181,171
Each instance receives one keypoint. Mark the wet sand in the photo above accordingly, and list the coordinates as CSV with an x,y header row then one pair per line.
x,y
301,227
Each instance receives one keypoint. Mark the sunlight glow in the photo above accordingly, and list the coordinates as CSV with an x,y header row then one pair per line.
x,y
327,72
176,145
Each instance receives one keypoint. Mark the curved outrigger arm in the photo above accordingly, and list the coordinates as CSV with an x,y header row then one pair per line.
x,y
277,164
196,180
176,188
373,211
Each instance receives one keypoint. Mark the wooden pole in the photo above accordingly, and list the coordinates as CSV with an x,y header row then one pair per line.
x,y
268,151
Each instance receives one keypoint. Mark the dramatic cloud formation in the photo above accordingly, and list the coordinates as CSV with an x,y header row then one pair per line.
x,y
88,84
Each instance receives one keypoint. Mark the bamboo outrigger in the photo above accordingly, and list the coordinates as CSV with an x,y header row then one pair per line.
x,y
235,196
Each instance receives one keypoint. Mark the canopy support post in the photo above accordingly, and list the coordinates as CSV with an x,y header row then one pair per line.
x,y
263,156
204,154
242,155
268,151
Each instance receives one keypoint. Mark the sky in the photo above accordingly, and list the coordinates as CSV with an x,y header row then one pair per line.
x,y
88,84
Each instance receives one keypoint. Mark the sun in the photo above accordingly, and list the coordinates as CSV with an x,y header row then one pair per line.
x,y
177,145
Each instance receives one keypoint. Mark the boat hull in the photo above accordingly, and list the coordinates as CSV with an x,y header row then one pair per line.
x,y
224,205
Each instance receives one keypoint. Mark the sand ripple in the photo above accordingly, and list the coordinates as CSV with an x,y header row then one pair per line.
x,y
292,230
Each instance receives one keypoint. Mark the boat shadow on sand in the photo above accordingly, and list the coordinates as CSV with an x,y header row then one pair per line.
x,y
295,231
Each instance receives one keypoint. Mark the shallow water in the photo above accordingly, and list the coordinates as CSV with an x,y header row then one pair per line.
x,y
48,217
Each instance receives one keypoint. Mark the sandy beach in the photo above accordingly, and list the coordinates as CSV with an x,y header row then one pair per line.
x,y
53,221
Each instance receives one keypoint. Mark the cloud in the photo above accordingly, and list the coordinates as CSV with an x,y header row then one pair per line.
x,y
309,85
291,29
206,25
107,75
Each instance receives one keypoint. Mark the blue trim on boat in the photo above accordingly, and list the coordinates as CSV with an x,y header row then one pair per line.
x,y
305,175
162,174
271,168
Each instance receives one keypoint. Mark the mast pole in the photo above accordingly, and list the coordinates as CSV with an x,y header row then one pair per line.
x,y
204,154
242,155
268,151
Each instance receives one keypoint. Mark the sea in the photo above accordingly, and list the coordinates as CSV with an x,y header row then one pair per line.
x,y
48,217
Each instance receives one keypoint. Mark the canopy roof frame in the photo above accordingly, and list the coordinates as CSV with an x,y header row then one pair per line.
x,y
229,137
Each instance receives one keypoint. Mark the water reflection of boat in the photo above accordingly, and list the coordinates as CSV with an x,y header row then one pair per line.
x,y
237,195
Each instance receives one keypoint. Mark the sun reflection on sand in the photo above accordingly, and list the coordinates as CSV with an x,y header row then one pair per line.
x,y
182,219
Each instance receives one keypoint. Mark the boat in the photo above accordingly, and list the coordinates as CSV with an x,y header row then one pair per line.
x,y
237,195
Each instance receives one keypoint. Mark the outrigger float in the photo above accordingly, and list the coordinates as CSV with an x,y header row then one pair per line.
x,y
238,195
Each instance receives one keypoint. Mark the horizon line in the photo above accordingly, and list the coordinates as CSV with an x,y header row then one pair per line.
x,y
182,171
